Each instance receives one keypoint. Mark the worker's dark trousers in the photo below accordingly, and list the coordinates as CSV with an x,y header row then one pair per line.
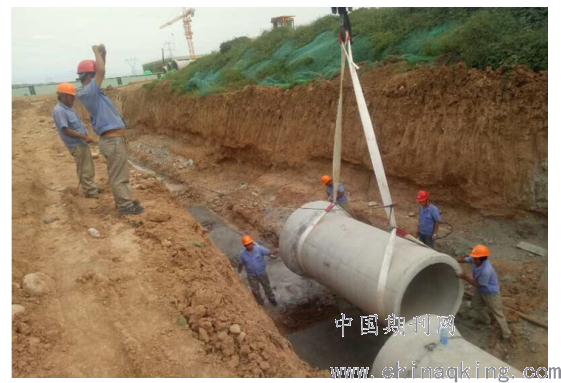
x,y
263,279
426,239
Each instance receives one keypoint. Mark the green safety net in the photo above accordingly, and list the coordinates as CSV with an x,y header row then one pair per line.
x,y
291,65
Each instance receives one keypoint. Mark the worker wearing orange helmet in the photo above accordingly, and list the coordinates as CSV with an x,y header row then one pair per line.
x,y
252,258
108,124
487,293
75,136
341,195
429,219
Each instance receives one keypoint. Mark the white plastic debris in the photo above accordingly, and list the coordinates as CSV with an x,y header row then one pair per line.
x,y
93,232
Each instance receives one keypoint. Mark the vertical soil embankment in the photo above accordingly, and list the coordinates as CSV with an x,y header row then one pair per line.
x,y
482,134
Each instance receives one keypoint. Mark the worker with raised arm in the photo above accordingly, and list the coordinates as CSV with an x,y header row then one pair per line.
x,y
429,219
487,293
252,258
341,195
108,124
75,136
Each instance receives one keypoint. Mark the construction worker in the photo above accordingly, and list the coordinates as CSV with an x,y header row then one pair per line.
x,y
108,124
487,289
341,195
252,258
75,136
429,219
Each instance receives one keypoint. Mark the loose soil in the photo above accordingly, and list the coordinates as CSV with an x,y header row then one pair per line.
x,y
154,296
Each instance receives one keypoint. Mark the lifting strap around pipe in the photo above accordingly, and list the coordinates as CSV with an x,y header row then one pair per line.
x,y
384,270
371,142
338,131
336,164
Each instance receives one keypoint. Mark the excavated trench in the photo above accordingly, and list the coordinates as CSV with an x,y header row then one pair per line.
x,y
306,312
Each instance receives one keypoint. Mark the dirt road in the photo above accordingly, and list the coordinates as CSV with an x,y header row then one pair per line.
x,y
152,297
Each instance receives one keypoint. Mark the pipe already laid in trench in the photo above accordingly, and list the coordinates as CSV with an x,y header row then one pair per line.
x,y
346,255
416,349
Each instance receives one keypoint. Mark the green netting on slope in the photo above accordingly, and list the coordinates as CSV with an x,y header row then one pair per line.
x,y
286,66
203,83
411,47
290,65
245,60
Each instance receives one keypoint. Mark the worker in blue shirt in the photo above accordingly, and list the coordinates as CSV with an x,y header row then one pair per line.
x,y
252,258
108,124
75,136
487,294
341,195
429,219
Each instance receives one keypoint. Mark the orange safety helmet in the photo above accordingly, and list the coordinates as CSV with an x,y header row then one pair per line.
x,y
67,88
422,196
480,251
325,179
246,240
86,66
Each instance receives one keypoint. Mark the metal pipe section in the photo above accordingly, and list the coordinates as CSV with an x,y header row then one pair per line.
x,y
346,255
416,349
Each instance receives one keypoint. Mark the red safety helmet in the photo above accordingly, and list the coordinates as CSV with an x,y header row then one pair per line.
x,y
86,66
422,196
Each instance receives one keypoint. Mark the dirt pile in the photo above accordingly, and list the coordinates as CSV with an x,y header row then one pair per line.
x,y
483,134
151,297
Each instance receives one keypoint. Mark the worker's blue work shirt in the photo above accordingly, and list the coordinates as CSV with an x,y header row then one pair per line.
x,y
486,276
341,199
254,262
427,218
104,116
66,117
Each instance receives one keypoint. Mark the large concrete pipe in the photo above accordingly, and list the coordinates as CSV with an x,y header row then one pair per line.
x,y
416,349
178,64
345,255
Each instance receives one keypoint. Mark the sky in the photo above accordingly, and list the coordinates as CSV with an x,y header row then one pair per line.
x,y
48,43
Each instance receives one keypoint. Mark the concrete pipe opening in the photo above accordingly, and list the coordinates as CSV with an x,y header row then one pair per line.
x,y
434,289
346,256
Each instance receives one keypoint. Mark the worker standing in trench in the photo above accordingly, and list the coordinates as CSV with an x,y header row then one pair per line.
x,y
487,294
108,124
252,258
429,219
341,195
75,136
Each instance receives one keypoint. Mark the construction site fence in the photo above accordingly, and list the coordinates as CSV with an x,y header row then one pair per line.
x,y
32,90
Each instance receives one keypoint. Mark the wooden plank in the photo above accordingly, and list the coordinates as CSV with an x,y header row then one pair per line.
x,y
532,248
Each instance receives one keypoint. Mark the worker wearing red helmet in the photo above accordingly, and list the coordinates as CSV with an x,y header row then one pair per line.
x,y
487,293
75,136
429,219
252,258
108,124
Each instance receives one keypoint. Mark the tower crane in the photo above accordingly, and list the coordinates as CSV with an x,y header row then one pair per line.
x,y
186,15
